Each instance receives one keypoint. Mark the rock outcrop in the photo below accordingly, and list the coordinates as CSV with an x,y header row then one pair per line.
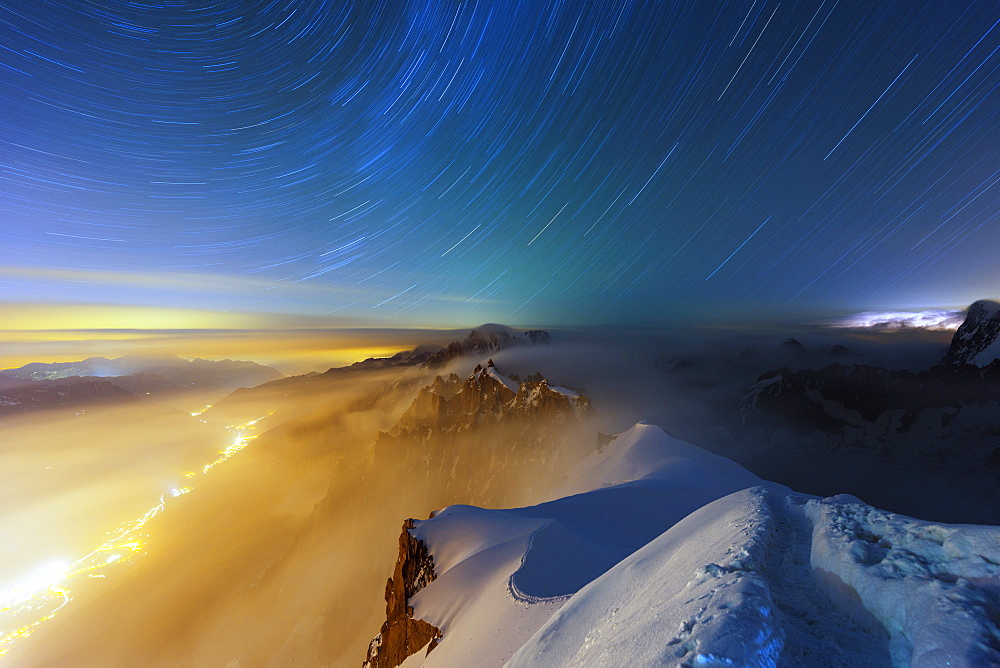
x,y
402,635
482,341
458,435
794,347
450,404
977,340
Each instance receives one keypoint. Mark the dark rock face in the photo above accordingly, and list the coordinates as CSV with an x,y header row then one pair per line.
x,y
484,341
451,405
457,442
977,341
536,337
460,438
402,635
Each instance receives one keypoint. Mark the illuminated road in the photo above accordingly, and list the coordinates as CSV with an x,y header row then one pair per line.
x,y
48,590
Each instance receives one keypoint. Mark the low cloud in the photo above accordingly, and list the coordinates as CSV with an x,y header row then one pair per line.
x,y
936,320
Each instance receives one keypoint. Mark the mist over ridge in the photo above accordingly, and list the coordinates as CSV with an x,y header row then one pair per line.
x,y
326,465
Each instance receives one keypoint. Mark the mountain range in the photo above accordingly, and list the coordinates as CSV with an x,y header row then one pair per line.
x,y
889,426
547,543
102,381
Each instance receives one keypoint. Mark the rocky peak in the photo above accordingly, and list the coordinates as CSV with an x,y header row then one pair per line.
x,y
536,399
977,340
401,635
485,397
483,342
445,387
767,388
536,337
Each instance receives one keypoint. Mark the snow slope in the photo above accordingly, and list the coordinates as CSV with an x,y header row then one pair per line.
x,y
730,585
679,557
512,569
762,579
934,587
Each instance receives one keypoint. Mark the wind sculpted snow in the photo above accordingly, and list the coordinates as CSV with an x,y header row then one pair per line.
x,y
678,557
511,569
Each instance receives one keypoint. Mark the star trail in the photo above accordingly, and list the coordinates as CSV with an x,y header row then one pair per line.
x,y
447,163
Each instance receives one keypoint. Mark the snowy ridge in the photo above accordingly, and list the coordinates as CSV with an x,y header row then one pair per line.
x,y
676,556
935,588
512,569
688,595
511,385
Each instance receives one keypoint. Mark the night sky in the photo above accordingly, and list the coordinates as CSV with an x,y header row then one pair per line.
x,y
449,163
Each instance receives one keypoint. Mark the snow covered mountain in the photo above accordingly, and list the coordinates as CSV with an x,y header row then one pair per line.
x,y
99,380
482,341
171,369
487,340
553,548
977,340
453,405
676,556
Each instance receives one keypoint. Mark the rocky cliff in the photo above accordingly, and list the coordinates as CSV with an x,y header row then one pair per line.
x,y
977,340
401,635
450,404
457,434
483,341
